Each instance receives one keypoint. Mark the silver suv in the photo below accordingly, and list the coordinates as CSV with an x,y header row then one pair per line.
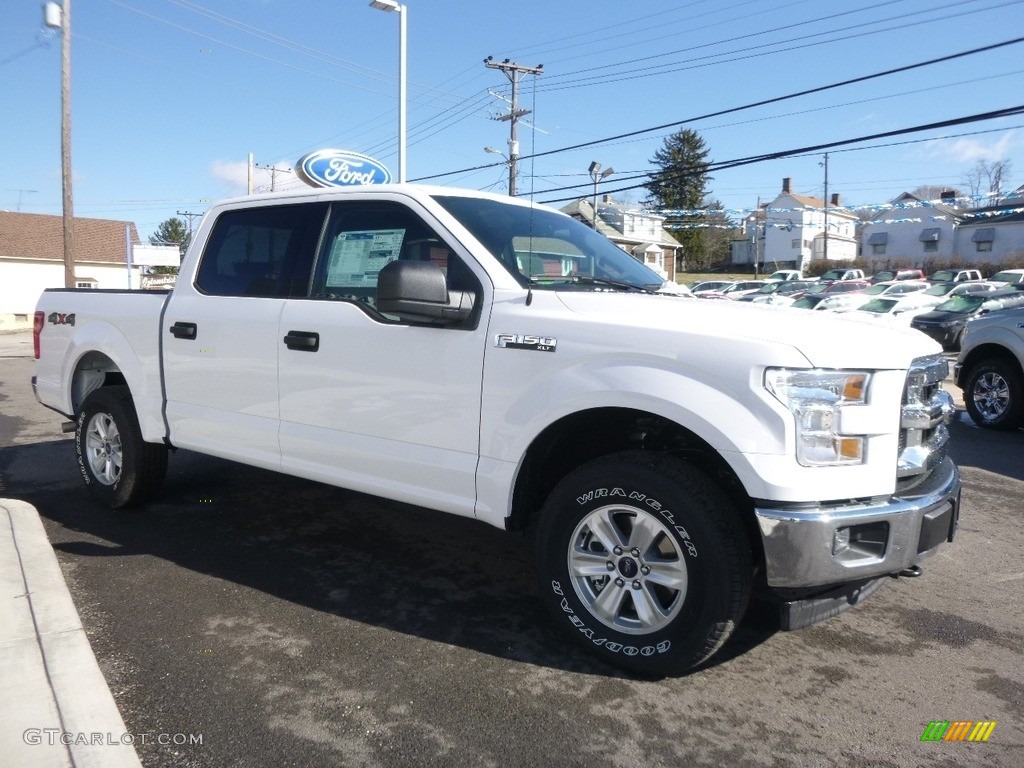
x,y
990,369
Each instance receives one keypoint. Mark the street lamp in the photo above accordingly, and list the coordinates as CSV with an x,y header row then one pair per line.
x,y
598,175
508,162
59,17
402,11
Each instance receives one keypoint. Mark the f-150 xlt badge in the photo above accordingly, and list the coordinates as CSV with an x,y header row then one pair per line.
x,y
519,341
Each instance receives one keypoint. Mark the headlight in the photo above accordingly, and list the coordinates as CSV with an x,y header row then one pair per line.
x,y
814,398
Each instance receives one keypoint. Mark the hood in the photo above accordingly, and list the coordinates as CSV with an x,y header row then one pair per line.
x,y
824,339
943,316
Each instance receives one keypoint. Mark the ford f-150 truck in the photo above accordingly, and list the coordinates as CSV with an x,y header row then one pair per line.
x,y
496,359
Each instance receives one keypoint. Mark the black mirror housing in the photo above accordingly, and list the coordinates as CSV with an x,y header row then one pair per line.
x,y
416,291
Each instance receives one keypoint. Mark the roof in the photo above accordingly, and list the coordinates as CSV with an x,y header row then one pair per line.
x,y
909,202
813,203
990,217
41,236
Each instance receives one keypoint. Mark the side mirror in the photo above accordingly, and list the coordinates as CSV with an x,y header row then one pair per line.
x,y
416,291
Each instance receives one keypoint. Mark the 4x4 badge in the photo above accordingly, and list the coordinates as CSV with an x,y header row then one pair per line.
x,y
519,341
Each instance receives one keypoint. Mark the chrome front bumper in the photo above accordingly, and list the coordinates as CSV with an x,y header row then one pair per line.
x,y
826,545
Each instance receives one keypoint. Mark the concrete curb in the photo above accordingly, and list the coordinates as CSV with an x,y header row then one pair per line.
x,y
55,707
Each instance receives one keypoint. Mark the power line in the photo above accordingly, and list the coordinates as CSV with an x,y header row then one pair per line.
x,y
725,165
738,38
745,51
752,105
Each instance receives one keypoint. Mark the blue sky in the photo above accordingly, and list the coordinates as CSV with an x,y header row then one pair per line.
x,y
169,96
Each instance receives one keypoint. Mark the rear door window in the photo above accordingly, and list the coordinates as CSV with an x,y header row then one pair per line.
x,y
265,251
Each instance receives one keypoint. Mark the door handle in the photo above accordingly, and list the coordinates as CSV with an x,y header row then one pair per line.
x,y
183,330
302,341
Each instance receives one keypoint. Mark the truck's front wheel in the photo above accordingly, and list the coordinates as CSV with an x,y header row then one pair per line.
x,y
643,559
118,467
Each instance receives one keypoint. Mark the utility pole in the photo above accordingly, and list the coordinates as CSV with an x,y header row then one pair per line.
x,y
189,215
512,72
824,249
60,16
757,226
273,173
21,193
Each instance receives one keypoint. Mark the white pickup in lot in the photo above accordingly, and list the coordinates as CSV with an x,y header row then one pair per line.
x,y
490,358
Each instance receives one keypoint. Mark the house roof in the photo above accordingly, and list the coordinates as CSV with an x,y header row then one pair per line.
x,y
41,236
812,203
990,218
886,214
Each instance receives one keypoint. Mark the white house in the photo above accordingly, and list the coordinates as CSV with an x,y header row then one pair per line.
x,y
637,232
798,230
911,229
32,258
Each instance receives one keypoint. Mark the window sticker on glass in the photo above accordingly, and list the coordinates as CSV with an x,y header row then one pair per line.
x,y
357,257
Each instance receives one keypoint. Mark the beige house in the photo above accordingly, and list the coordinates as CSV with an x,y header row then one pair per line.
x,y
32,259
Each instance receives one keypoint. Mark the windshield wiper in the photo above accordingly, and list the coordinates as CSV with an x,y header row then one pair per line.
x,y
621,285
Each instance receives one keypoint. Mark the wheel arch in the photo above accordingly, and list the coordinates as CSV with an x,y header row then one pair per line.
x,y
584,436
991,351
93,370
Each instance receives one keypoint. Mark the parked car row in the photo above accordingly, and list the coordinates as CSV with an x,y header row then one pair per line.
x,y
941,309
948,321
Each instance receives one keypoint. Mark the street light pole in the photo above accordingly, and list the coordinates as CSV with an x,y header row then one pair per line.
x,y
402,11
598,175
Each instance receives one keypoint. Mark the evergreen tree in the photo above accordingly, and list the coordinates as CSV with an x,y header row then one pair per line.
x,y
680,184
171,232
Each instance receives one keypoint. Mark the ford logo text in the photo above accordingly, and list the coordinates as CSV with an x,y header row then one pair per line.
x,y
337,168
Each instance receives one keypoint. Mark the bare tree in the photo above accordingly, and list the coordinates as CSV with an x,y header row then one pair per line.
x,y
985,180
932,192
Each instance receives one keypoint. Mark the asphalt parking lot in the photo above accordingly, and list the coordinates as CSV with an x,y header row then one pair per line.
x,y
285,623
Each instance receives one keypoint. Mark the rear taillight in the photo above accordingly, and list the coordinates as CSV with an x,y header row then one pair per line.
x,y
37,328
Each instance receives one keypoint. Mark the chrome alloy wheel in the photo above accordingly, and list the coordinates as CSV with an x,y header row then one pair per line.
x,y
103,448
628,569
991,395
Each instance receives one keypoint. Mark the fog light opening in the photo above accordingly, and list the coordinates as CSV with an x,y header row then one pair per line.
x,y
840,540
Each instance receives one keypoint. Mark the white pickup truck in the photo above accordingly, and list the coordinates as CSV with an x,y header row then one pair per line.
x,y
490,358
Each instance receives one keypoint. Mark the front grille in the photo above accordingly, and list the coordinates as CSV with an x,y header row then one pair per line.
x,y
926,410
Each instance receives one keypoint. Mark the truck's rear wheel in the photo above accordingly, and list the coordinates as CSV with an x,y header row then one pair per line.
x,y
643,559
118,467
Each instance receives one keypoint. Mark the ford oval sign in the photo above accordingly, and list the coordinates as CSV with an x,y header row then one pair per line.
x,y
337,168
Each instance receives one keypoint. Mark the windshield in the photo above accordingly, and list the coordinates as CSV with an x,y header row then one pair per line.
x,y
545,249
879,306
1006,277
940,290
807,302
943,276
961,304
876,289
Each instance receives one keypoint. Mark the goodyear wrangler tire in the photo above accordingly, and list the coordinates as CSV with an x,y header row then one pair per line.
x,y
118,467
644,561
